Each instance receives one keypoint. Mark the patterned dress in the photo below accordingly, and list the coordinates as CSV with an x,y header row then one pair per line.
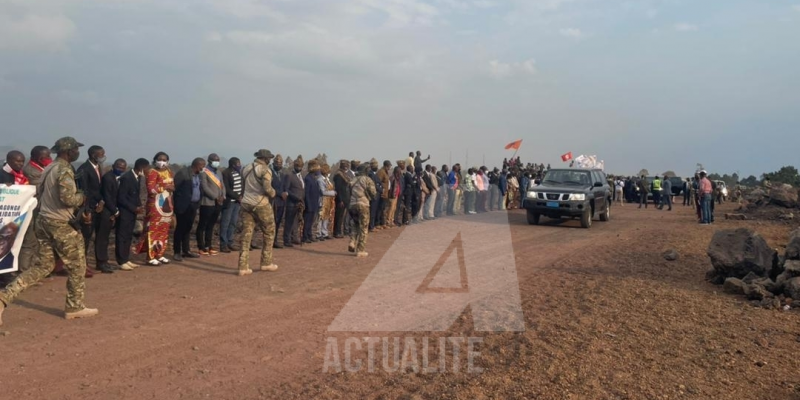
x,y
159,214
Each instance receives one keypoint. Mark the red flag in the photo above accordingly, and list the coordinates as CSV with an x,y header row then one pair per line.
x,y
514,145
566,157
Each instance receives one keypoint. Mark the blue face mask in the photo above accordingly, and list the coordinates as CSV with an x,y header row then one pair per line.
x,y
238,168
118,172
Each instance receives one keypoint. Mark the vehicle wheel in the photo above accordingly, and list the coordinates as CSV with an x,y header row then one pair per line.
x,y
586,218
606,215
533,218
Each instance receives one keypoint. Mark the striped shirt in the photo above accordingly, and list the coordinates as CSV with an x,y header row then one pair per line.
x,y
237,183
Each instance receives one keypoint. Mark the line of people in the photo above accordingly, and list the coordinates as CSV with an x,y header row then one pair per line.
x,y
149,198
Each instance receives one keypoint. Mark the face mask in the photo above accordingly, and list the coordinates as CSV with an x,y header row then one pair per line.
x,y
118,172
215,164
161,164
238,168
101,160
47,161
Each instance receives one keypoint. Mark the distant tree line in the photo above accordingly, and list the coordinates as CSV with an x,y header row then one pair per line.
x,y
787,174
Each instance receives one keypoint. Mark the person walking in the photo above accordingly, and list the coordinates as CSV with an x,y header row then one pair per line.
x,y
257,211
57,233
232,179
187,201
129,206
666,198
362,191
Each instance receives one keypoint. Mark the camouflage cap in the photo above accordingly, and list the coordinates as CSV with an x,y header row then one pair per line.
x,y
66,143
263,153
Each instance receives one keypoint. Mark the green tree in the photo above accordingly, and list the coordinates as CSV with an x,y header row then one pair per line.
x,y
750,181
787,174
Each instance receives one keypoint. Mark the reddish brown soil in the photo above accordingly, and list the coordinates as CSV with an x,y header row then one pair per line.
x,y
606,318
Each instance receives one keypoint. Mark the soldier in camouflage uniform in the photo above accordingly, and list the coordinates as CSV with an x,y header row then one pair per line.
x,y
56,232
362,191
257,210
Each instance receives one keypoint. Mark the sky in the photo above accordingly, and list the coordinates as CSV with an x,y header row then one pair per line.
x,y
660,85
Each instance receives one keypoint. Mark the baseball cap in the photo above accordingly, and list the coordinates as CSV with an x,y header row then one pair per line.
x,y
66,143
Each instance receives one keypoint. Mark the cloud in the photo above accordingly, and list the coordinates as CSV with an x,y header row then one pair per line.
x,y
796,7
685,27
573,33
35,32
246,9
651,13
484,3
501,70
400,13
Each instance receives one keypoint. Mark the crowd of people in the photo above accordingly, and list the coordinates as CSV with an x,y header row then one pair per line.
x,y
698,192
308,200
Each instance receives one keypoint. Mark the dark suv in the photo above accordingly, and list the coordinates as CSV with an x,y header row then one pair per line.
x,y
571,193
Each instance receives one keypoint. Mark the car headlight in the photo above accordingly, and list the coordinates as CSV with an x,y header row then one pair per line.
x,y
532,195
577,196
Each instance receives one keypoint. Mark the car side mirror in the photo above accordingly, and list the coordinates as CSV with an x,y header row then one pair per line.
x,y
598,184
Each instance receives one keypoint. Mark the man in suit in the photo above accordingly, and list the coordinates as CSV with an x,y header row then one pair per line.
x,y
375,203
129,205
279,203
109,189
186,202
294,187
341,184
313,199
88,179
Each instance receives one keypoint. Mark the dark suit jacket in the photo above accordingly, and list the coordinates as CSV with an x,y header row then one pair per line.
x,y
109,187
88,181
342,188
294,187
6,178
313,192
183,190
128,198
277,184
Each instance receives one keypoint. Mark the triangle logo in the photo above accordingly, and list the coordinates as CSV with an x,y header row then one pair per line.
x,y
449,274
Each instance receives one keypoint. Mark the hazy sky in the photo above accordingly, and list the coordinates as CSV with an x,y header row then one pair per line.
x,y
642,84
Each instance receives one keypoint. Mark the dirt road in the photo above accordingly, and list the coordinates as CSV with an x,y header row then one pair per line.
x,y
605,316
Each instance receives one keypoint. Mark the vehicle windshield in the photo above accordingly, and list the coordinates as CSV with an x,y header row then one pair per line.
x,y
567,177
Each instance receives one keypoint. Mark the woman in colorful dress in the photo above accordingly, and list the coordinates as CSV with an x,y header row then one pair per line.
x,y
160,186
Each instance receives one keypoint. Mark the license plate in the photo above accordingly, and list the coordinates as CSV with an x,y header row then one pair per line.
x,y
552,204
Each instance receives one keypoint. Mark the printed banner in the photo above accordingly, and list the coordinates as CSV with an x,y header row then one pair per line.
x,y
17,203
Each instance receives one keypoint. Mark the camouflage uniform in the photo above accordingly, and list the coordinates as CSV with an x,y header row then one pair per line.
x,y
362,191
257,210
57,237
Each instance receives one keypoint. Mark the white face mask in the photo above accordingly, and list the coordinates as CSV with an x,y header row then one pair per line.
x,y
161,164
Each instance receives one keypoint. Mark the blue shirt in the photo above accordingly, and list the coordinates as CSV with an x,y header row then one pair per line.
x,y
196,188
